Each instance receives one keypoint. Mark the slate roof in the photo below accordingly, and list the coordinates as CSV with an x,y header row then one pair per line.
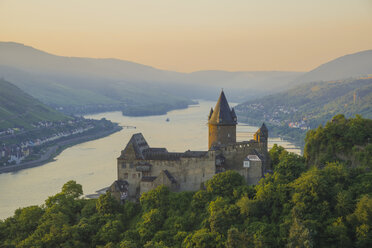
x,y
194,154
170,177
143,151
252,158
139,144
157,150
174,155
120,186
148,179
264,128
222,114
210,113
259,155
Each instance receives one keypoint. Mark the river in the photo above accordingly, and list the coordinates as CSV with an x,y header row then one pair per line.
x,y
93,164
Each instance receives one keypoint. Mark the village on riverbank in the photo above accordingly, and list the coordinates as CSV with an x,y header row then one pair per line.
x,y
24,149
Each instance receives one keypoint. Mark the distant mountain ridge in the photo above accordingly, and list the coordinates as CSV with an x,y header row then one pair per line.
x,y
23,57
76,84
70,81
80,85
351,65
18,109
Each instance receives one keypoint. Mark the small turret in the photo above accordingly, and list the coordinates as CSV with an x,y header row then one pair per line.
x,y
262,136
264,130
234,115
210,114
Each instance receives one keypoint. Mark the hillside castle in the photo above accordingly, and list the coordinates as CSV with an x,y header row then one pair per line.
x,y
142,168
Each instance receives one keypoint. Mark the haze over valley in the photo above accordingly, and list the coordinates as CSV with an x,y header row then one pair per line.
x,y
75,83
85,85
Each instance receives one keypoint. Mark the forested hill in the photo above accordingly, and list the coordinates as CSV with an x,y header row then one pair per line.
x,y
18,109
310,104
304,202
341,139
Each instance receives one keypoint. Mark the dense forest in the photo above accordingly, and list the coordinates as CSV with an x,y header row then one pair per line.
x,y
321,199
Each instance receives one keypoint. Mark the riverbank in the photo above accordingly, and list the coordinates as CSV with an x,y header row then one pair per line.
x,y
56,149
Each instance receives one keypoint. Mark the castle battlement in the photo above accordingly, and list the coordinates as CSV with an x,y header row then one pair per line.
x,y
238,145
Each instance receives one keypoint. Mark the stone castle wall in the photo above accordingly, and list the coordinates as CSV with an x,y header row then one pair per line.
x,y
189,173
236,153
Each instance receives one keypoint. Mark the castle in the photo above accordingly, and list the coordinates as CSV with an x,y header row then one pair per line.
x,y
141,168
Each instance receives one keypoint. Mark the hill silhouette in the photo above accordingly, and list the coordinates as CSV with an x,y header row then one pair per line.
x,y
75,82
351,65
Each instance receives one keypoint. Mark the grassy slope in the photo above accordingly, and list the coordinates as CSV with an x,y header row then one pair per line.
x,y
18,109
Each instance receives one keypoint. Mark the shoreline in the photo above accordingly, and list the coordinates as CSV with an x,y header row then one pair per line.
x,y
120,109
141,113
56,149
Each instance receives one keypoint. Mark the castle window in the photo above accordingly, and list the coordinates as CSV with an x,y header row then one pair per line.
x,y
125,175
139,175
131,165
246,164
146,173
134,176
123,166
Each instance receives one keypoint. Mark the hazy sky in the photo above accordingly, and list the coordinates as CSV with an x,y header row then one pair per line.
x,y
190,35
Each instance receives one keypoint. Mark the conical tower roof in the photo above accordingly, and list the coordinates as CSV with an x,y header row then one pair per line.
x,y
263,127
222,114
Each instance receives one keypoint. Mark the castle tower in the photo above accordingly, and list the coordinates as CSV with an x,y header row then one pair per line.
x,y
261,136
221,123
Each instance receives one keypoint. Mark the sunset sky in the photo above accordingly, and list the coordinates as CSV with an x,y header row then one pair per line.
x,y
191,35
